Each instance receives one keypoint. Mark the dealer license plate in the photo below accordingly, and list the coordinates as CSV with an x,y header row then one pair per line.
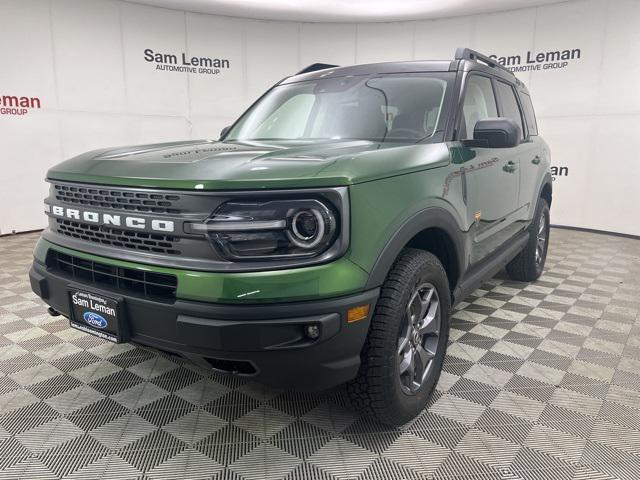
x,y
96,314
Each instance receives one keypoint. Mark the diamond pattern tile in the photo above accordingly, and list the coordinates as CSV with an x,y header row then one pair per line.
x,y
541,381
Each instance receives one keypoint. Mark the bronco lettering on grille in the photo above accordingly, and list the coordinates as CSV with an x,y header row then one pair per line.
x,y
138,223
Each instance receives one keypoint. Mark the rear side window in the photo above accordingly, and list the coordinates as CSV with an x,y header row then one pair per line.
x,y
509,104
529,114
479,103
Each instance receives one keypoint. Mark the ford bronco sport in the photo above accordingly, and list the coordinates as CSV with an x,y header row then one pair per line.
x,y
323,239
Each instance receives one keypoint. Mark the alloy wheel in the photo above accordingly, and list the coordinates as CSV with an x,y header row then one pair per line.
x,y
418,342
541,239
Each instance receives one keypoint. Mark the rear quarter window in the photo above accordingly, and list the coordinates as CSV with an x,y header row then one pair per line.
x,y
529,114
509,105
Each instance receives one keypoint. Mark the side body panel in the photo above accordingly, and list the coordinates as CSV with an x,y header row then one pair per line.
x,y
484,200
490,178
385,214
535,166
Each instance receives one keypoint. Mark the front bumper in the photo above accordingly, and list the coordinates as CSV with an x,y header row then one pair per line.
x,y
338,278
266,341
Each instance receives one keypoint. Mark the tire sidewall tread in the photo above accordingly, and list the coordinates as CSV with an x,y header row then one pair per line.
x,y
376,390
523,267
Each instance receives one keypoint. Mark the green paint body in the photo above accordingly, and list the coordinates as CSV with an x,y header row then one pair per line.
x,y
388,184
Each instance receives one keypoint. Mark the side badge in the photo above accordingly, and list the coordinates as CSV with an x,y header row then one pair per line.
x,y
477,216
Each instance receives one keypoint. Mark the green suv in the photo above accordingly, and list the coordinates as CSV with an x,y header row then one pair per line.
x,y
323,239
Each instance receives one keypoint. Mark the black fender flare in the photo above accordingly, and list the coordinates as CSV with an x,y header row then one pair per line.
x,y
431,217
547,179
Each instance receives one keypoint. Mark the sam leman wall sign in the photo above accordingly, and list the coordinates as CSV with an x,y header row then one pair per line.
x,y
17,105
532,61
169,62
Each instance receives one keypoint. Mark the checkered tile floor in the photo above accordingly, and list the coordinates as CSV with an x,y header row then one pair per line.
x,y
541,381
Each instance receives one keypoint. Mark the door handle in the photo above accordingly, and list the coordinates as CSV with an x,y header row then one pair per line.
x,y
509,167
536,160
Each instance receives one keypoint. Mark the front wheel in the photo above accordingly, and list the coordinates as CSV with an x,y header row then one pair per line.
x,y
529,263
403,354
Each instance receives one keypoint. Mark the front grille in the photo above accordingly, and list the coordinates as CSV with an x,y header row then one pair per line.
x,y
156,286
117,199
115,237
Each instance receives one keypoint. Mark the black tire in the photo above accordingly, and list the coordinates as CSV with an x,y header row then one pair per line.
x,y
380,390
526,267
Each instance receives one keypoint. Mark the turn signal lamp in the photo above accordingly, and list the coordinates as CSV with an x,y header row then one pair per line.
x,y
356,314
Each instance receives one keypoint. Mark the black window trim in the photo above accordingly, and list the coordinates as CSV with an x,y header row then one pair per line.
x,y
463,93
533,113
526,137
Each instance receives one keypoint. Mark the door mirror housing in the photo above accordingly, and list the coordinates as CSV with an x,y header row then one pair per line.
x,y
496,133
224,131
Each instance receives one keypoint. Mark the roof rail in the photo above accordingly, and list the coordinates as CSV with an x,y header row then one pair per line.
x,y
316,66
468,54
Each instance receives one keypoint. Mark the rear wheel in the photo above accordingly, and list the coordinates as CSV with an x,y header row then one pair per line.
x,y
529,263
403,354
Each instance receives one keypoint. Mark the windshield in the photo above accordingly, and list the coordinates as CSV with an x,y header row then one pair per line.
x,y
381,108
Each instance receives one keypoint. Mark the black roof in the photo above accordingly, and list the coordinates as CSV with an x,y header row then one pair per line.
x,y
465,60
372,68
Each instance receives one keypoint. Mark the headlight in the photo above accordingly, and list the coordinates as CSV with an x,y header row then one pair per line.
x,y
270,229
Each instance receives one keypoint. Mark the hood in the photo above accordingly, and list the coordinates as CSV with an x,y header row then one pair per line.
x,y
212,165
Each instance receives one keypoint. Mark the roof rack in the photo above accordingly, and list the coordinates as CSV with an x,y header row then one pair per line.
x,y
468,54
316,66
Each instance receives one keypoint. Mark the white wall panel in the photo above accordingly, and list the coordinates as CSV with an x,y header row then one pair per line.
x,y
611,189
28,147
506,34
149,90
435,38
26,55
273,52
28,143
209,127
333,43
219,94
384,42
572,142
88,55
152,129
620,71
83,131
572,91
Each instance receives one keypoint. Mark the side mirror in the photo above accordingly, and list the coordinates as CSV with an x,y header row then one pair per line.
x,y
224,131
496,133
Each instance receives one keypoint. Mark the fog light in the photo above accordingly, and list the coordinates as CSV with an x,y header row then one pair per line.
x,y
312,331
356,314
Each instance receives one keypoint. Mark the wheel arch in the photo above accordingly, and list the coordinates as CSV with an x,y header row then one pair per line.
x,y
546,189
434,230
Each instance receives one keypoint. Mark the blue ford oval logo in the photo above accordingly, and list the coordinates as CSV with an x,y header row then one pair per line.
x,y
94,320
